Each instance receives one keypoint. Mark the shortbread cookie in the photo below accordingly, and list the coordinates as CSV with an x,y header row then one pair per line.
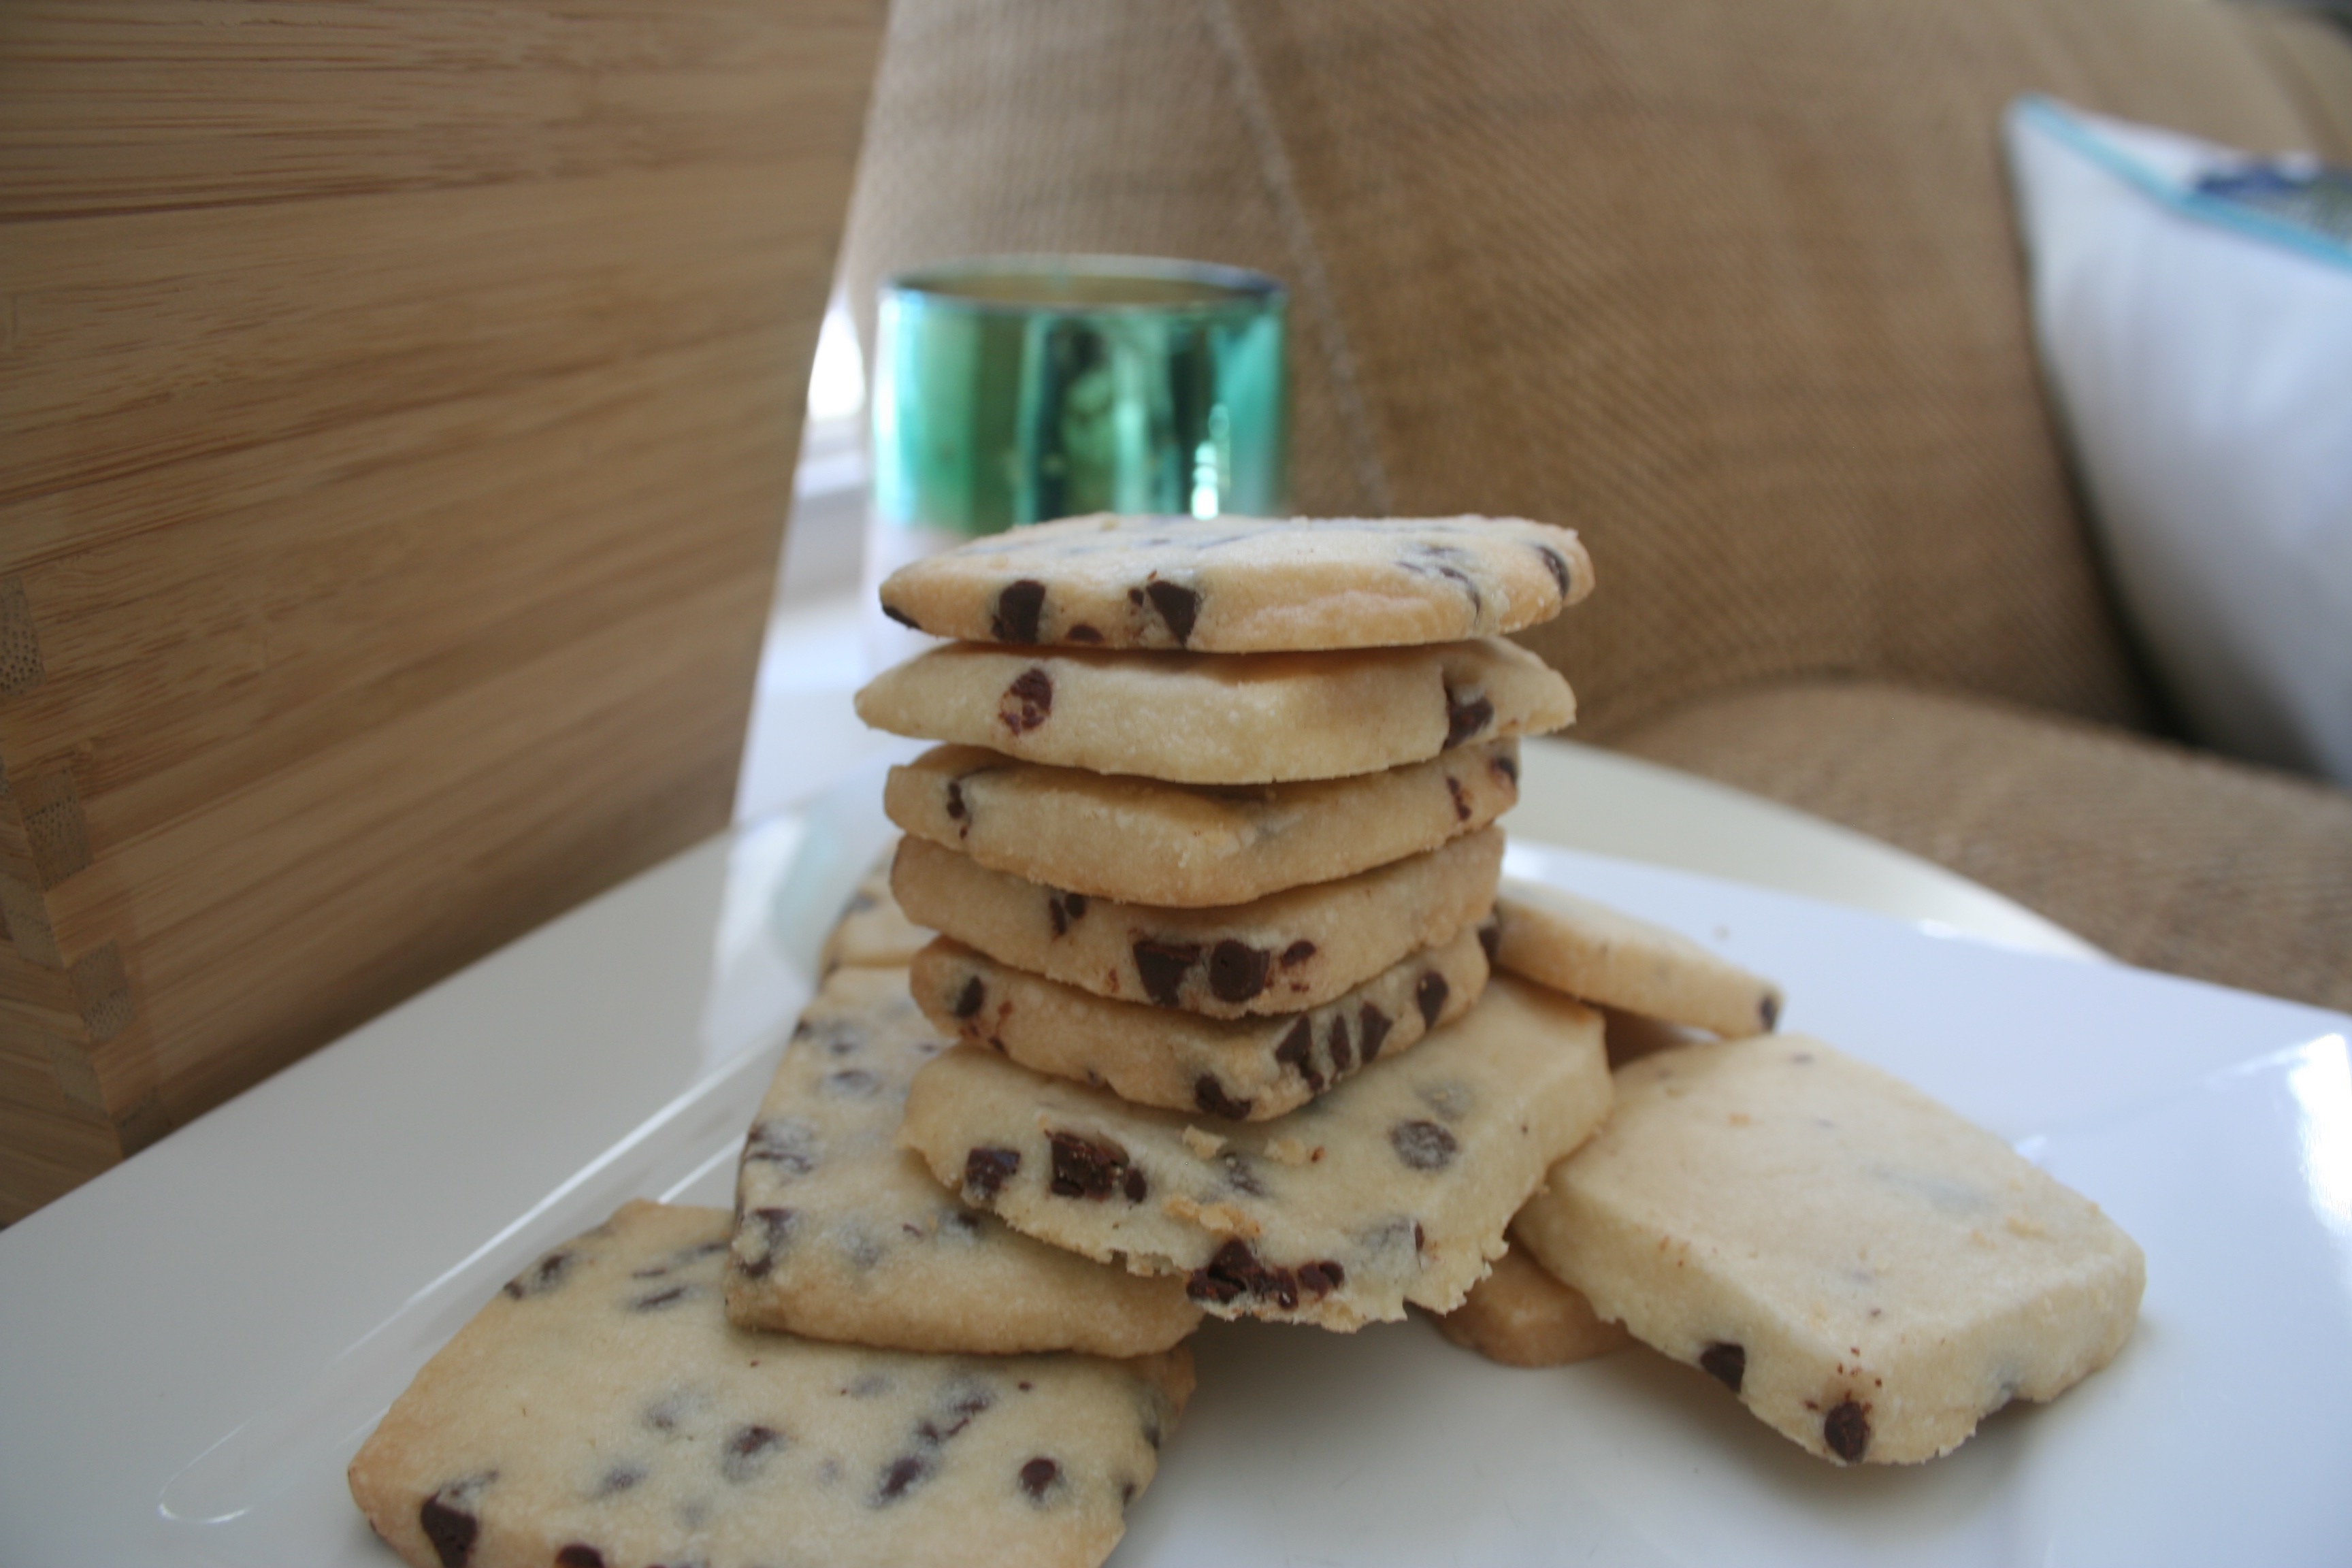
x,y
601,1411
1520,1315
1242,1069
1281,953
873,931
842,1235
1608,957
1182,846
1238,719
1871,1274
1240,584
1394,1187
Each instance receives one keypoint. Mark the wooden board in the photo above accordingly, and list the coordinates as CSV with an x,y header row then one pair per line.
x,y
401,404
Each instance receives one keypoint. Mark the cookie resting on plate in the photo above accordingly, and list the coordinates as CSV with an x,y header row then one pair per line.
x,y
842,1235
1186,845
1870,1273
1394,1187
601,1412
1212,719
1245,1070
1281,953
1242,584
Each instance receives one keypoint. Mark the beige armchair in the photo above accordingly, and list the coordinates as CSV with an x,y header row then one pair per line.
x,y
1735,291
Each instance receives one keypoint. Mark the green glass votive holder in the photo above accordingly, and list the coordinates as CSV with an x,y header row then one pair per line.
x,y
1016,390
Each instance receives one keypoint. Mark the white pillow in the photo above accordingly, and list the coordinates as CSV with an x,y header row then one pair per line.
x,y
2200,347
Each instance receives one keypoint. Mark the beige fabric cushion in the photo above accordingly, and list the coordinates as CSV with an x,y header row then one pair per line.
x,y
2165,857
1732,288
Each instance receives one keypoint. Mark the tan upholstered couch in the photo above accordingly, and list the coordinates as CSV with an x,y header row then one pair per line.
x,y
1732,286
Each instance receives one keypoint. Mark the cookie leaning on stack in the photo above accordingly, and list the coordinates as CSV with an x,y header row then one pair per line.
x,y
1210,849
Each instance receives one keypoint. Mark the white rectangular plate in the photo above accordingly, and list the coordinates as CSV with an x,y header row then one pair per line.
x,y
192,1347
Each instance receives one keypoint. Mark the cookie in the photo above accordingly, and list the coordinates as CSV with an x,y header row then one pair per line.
x,y
1282,954
1238,719
1245,1070
873,931
1394,1187
842,1235
1520,1315
1240,584
601,1411
1870,1273
1186,847
1607,957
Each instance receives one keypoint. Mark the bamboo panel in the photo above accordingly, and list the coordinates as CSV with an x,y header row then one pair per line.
x,y
402,401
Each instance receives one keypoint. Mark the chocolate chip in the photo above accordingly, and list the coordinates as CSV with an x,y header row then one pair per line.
x,y
1037,1478
1320,1278
775,1230
654,1300
1237,971
1423,1145
618,1479
1239,1173
985,1172
1372,1029
664,1414
1085,1169
1558,564
967,1001
1211,1097
1297,1052
970,1401
1726,1363
1135,597
1082,633
1028,701
900,616
542,1276
579,1556
1018,605
1064,911
1134,1186
1768,1013
1465,720
448,1517
1343,1055
955,801
1162,966
1461,798
855,1083
1846,1429
1236,1271
1177,604
1430,996
1490,938
1297,953
904,1474
747,1453
1506,764
788,1143
1468,587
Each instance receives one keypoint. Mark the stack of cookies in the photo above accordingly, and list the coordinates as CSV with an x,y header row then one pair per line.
x,y
1211,850
1193,988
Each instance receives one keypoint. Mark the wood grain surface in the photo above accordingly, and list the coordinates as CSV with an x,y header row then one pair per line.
x,y
400,403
